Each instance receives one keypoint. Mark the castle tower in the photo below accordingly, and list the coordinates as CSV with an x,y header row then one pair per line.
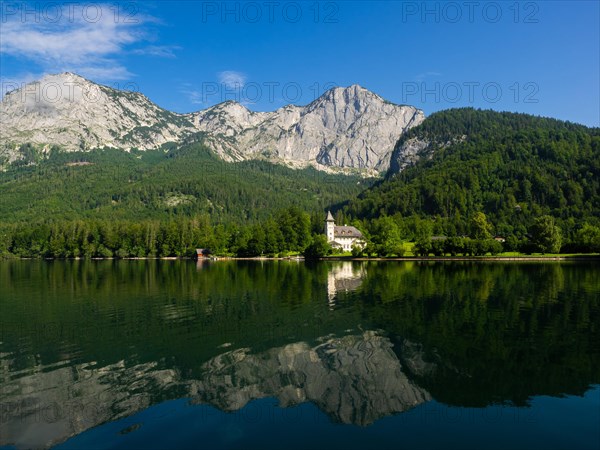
x,y
329,227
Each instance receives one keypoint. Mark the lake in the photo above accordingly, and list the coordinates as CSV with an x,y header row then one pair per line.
x,y
271,354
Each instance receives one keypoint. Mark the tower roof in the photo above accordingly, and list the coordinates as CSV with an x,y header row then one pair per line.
x,y
329,217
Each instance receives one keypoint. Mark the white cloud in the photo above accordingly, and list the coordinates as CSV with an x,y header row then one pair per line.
x,y
232,79
161,51
193,94
106,71
73,43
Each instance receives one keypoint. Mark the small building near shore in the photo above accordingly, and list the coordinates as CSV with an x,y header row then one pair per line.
x,y
342,237
202,253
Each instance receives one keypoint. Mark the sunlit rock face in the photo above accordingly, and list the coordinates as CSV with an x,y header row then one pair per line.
x,y
74,114
423,145
345,128
354,379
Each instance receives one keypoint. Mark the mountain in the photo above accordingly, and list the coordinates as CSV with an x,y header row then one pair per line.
x,y
73,113
344,128
513,167
349,127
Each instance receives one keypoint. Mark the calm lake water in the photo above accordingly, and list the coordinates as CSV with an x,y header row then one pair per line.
x,y
283,354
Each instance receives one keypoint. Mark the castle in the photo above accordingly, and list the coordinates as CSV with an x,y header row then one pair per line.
x,y
342,237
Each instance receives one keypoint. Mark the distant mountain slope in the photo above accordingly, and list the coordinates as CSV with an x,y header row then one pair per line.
x,y
185,181
511,166
344,128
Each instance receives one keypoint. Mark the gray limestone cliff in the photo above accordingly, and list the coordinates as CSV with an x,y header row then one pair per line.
x,y
349,127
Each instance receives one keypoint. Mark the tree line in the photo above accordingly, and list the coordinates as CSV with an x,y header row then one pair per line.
x,y
386,236
289,231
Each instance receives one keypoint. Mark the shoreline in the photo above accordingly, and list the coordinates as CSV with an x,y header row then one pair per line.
x,y
581,257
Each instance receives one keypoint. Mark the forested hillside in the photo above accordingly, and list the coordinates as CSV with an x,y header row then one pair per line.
x,y
182,182
109,203
512,167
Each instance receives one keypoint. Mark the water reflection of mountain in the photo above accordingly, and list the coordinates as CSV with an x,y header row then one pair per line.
x,y
356,379
47,407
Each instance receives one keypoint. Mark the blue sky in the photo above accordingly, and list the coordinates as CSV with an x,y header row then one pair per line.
x,y
535,57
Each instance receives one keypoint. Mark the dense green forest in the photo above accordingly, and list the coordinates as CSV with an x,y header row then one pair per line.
x,y
183,181
109,203
286,232
514,168
532,182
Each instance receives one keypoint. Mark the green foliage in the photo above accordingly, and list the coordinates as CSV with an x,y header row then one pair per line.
x,y
480,227
357,251
318,248
386,237
588,238
457,246
438,247
422,247
288,231
546,235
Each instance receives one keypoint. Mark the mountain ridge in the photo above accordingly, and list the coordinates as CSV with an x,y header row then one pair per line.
x,y
344,128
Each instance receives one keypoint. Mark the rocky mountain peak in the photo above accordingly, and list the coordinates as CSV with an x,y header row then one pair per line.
x,y
354,90
353,96
347,127
74,113
45,95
